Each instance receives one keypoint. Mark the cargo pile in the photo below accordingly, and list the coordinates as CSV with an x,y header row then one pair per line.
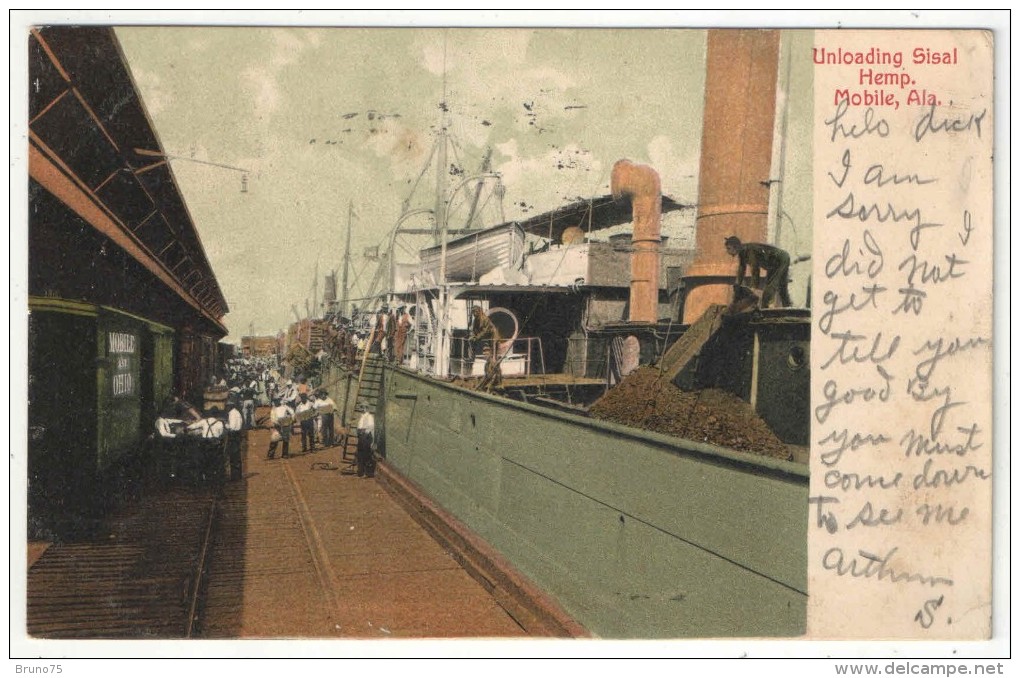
x,y
647,401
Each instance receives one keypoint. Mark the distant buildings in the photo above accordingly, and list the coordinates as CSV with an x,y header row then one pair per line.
x,y
261,347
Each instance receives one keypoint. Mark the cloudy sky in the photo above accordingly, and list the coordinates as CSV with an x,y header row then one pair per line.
x,y
324,117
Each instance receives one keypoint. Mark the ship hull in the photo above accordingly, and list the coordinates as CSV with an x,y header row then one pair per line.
x,y
635,534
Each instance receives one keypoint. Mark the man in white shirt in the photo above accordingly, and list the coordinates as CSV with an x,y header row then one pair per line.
x,y
235,427
305,414
169,442
366,438
282,418
205,459
207,428
325,406
248,404
165,426
288,393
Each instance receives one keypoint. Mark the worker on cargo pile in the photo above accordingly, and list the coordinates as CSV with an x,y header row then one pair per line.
x,y
351,349
282,418
366,438
759,256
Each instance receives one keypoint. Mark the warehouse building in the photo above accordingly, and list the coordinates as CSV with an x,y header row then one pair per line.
x,y
124,309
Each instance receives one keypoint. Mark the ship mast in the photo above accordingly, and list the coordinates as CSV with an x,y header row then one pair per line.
x,y
315,290
442,351
347,258
486,164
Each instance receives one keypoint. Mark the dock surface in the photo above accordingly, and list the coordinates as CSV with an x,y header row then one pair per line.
x,y
297,548
306,550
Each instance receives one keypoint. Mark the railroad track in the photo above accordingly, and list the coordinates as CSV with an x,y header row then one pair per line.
x,y
269,573
141,578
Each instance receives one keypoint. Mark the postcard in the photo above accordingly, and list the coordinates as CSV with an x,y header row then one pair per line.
x,y
371,332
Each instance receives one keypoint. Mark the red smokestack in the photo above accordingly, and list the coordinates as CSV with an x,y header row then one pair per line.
x,y
641,184
736,158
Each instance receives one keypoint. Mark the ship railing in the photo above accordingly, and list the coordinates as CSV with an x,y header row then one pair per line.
x,y
521,356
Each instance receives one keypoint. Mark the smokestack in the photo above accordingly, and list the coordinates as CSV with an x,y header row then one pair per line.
x,y
641,184
736,158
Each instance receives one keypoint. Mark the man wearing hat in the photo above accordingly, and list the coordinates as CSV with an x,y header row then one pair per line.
x,y
366,436
325,406
282,418
377,344
305,414
758,256
403,324
248,404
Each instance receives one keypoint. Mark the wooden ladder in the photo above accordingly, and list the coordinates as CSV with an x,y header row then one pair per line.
x,y
368,389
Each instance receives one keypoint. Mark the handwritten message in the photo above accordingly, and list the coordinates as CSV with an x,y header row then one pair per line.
x,y
900,501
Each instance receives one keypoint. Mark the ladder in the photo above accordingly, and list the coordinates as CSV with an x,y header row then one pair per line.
x,y
368,391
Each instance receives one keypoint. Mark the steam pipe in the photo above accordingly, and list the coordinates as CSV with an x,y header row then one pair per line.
x,y
641,184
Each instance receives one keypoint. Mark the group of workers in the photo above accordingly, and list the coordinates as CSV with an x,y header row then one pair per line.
x,y
384,332
390,329
187,435
190,439
311,410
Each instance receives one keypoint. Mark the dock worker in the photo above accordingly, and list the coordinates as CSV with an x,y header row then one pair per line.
x,y
482,328
208,427
403,324
282,418
326,408
248,404
759,256
305,414
391,334
485,332
235,433
169,440
169,425
366,437
290,393
380,330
